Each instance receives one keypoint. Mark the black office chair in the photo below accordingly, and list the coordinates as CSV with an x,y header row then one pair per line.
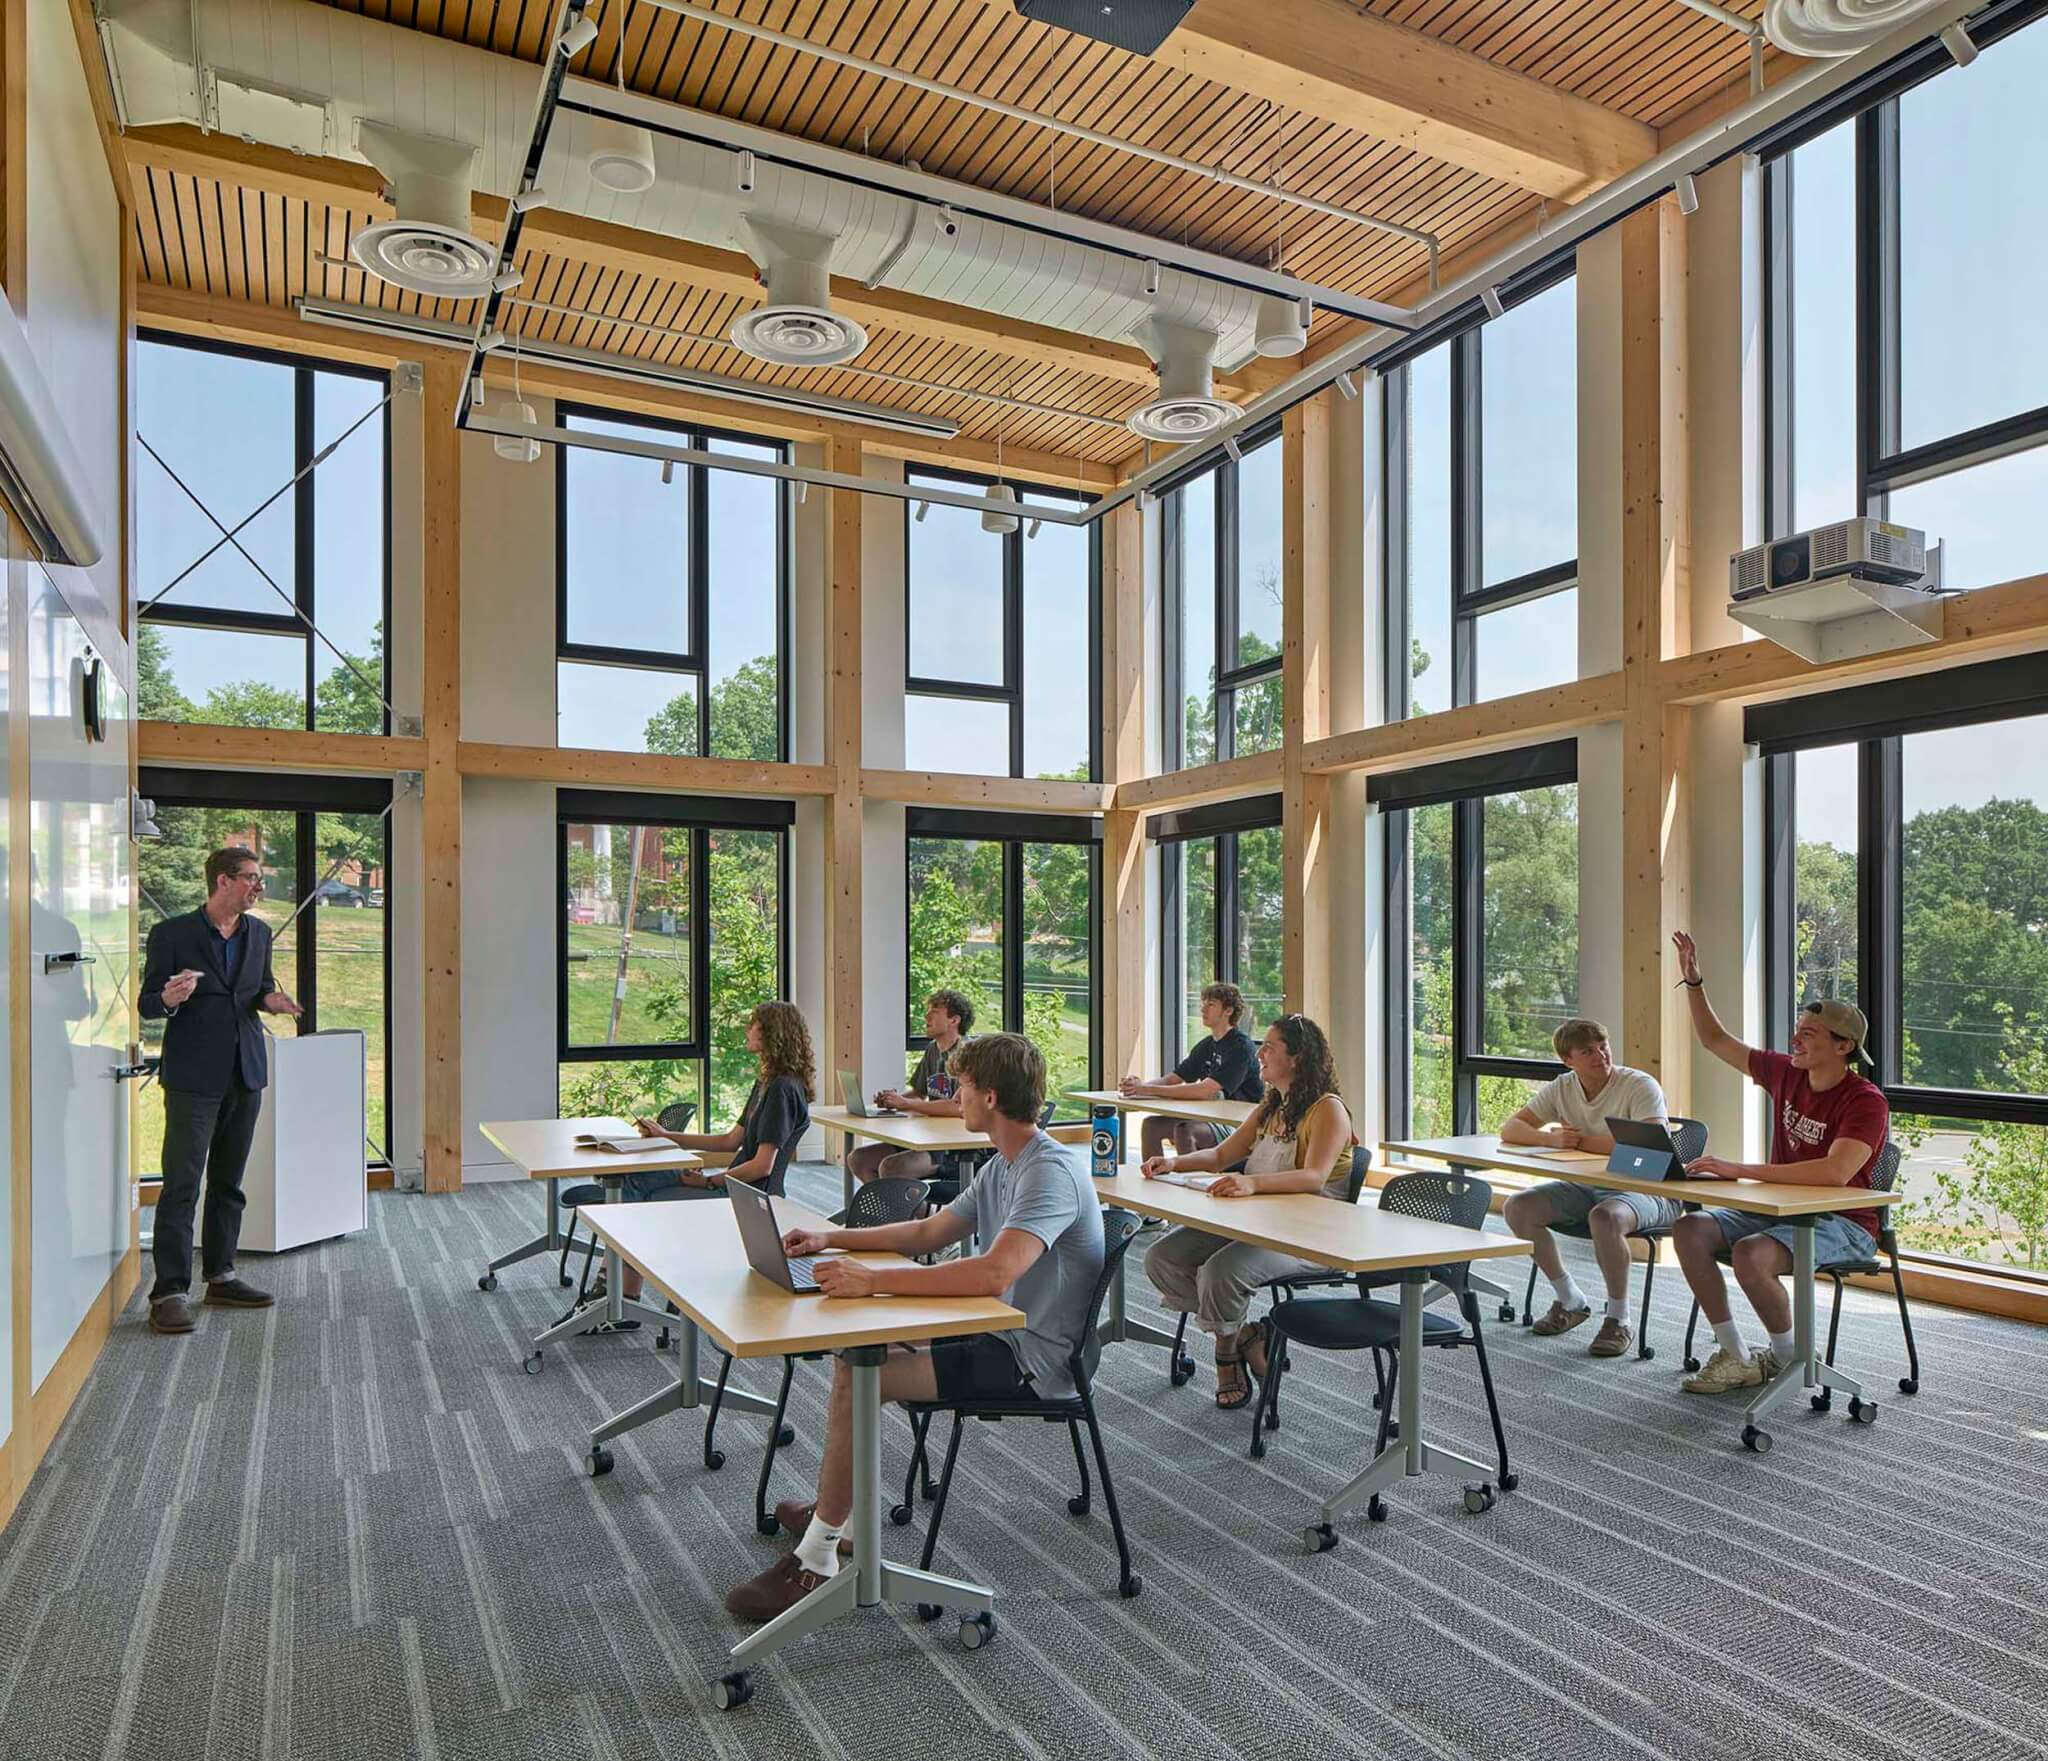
x,y
1181,1366
876,1204
1883,1178
1366,1323
591,1192
1078,1409
1690,1135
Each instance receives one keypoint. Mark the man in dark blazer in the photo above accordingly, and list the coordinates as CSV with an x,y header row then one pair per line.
x,y
207,976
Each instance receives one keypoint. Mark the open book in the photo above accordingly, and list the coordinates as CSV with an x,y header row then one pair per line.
x,y
1555,1150
1195,1181
626,1144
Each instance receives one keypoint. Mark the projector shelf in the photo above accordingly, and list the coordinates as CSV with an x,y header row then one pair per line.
x,y
1843,618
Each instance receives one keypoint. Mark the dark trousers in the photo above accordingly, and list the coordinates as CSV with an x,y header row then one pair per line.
x,y
204,1136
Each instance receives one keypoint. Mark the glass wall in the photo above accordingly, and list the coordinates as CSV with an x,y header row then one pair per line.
x,y
1223,901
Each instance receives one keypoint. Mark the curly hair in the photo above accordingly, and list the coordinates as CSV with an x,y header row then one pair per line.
x,y
786,1045
1315,1075
955,1003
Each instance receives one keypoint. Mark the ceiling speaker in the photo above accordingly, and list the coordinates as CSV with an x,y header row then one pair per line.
x,y
1137,25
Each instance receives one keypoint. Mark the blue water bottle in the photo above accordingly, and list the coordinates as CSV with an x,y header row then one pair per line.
x,y
1105,1141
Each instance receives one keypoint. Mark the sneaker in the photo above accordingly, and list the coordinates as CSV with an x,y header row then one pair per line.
x,y
1613,1340
1725,1373
234,1294
793,1517
1560,1319
173,1314
775,1591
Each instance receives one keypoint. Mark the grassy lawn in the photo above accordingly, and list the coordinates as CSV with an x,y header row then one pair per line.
x,y
655,961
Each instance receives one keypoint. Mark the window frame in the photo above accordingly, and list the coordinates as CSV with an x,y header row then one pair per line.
x,y
700,816
697,569
1465,785
1012,691
1225,474
305,549
306,797
1011,832
1472,596
1225,822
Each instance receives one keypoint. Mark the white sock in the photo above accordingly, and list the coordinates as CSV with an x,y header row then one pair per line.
x,y
1783,1347
1728,1337
818,1551
1568,1292
1617,1308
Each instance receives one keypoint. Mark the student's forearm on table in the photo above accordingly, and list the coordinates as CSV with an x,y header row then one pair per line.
x,y
969,1277
1286,1180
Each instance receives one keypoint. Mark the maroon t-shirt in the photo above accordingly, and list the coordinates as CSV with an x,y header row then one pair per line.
x,y
1805,1125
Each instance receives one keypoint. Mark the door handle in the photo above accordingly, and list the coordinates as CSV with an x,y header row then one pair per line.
x,y
57,962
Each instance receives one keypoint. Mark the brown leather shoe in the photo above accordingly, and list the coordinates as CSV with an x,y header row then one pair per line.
x,y
775,1591
1558,1320
1613,1340
234,1294
173,1314
793,1517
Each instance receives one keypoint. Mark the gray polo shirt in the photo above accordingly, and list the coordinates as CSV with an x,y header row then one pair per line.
x,y
1047,1192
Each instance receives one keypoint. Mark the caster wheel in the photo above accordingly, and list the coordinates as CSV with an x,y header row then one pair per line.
x,y
1755,1441
1478,1497
714,1459
1645,1353
976,1631
1077,1506
1286,1362
532,1364
1272,1421
1508,1482
1318,1538
489,1281
1507,1312
661,1340
1376,1509
1130,1586
765,1525
785,1437
1863,1412
563,1279
1692,1366
1909,1384
1181,1372
598,1463
1258,1451
1394,1431
1822,1401
732,1690
900,1515
929,1611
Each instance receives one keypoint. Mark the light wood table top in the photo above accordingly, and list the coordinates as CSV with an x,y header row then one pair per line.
x,y
907,1131
1346,1238
545,1149
1761,1198
693,1255
1228,1114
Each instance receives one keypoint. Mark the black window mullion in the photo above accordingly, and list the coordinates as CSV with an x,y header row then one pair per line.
x,y
1224,930
1013,935
697,588
1013,642
304,554
1172,948
1399,980
1397,655
1781,957
700,948
1467,959
1781,245
1879,769
1095,1015
1466,541
1172,659
1224,575
307,953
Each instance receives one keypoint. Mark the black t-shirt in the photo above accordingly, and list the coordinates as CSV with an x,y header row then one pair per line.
x,y
776,1113
1232,1061
931,1080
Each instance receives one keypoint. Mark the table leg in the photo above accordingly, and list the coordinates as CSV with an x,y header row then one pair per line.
x,y
590,1317
548,1241
1411,1454
1806,1370
685,1394
870,1580
1119,1328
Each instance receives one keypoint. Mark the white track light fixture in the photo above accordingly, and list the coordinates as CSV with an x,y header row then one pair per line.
x,y
1151,280
506,280
491,341
526,200
1348,386
1233,449
923,508
743,172
1031,531
803,492
578,37
668,470
1688,193
1489,297
1957,41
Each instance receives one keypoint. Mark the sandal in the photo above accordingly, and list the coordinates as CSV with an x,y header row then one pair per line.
x,y
1253,1341
1233,1387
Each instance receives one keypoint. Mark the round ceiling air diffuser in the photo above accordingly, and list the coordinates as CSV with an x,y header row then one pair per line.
x,y
436,261
1186,408
1180,419
797,327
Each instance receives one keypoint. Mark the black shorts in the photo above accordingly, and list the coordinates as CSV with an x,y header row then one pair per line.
x,y
979,1367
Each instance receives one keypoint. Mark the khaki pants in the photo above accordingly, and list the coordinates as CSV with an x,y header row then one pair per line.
x,y
1215,1279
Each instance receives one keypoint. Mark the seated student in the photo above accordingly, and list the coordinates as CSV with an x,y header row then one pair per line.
x,y
1828,1125
1299,1140
1222,1066
1037,1229
947,1017
777,1113
1579,1103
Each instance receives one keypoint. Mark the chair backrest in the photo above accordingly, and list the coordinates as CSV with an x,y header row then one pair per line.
x,y
1691,1137
1884,1176
1440,1198
886,1201
1119,1229
1361,1163
676,1117
1046,1112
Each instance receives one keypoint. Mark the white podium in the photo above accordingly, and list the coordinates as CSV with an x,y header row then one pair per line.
x,y
306,1178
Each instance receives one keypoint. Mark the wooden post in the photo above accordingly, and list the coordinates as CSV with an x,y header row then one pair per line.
x,y
441,806
1656,806
843,813
1305,700
1122,745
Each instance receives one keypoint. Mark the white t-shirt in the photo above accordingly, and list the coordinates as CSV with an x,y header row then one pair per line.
x,y
1627,1094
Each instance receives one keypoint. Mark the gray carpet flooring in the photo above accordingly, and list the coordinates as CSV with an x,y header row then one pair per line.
x,y
349,1529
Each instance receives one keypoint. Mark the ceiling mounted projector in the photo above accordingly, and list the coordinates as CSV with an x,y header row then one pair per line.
x,y
427,248
1822,29
1138,25
1186,408
621,155
797,327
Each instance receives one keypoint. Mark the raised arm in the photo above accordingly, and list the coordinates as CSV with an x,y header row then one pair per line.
x,y
1706,1025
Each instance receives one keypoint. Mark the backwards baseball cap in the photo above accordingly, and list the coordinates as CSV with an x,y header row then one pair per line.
x,y
1844,1021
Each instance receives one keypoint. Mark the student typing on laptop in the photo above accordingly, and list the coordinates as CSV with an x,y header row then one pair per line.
x,y
948,1014
1037,1231
1571,1112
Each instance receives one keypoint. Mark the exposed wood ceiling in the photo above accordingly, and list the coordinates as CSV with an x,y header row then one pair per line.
x,y
1486,109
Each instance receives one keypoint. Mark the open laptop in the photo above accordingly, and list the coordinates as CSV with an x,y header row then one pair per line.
x,y
1644,1150
754,1211
856,1102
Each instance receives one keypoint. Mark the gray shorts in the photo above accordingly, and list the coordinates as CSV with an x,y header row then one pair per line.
x,y
1573,1203
1836,1240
